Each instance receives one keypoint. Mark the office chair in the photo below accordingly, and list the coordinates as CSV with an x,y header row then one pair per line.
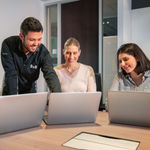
x,y
99,88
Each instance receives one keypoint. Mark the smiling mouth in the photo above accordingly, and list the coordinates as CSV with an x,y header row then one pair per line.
x,y
126,68
33,47
71,60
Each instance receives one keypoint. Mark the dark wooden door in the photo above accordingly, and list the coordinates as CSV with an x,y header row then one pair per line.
x,y
80,20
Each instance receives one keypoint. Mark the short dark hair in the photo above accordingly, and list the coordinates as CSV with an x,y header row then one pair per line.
x,y
30,24
133,49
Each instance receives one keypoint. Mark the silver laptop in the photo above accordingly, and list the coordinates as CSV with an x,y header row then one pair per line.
x,y
76,107
21,111
129,108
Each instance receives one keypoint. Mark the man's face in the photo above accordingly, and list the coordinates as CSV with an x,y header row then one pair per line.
x,y
31,41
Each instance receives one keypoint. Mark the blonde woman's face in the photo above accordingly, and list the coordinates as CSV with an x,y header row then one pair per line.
x,y
71,54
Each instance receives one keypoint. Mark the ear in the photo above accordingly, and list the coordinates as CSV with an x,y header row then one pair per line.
x,y
79,52
21,36
63,52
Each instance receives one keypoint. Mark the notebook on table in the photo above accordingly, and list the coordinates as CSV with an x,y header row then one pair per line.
x,y
21,111
129,108
74,107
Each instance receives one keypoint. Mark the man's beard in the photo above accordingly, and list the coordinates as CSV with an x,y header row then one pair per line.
x,y
26,49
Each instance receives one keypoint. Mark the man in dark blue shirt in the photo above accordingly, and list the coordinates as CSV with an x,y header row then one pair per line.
x,y
22,58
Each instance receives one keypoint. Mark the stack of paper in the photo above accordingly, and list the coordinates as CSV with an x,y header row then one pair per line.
x,y
88,141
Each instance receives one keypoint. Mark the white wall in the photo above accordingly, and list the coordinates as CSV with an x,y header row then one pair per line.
x,y
141,28
124,21
133,25
109,63
12,13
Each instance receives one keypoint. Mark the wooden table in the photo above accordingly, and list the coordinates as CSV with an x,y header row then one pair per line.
x,y
52,137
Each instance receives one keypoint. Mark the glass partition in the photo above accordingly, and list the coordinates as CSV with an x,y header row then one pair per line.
x,y
52,31
109,66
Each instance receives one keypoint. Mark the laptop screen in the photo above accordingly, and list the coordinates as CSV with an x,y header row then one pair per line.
x,y
129,107
74,107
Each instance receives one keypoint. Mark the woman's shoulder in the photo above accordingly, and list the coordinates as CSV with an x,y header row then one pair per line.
x,y
59,67
147,73
119,76
87,67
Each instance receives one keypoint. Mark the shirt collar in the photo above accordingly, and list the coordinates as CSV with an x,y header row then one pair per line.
x,y
147,74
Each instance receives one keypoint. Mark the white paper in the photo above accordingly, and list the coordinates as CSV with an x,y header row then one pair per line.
x,y
87,141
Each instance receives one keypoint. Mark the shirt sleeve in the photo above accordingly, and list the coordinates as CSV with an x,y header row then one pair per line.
x,y
11,76
91,81
115,84
50,74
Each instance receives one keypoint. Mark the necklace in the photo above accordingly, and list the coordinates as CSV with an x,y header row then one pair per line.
x,y
71,70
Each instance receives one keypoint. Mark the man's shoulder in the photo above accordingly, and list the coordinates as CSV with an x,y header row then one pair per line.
x,y
12,39
43,53
12,43
43,49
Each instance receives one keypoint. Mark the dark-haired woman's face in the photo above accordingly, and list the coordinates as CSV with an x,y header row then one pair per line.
x,y
127,62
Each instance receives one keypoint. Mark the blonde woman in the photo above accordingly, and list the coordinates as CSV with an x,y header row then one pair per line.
x,y
75,76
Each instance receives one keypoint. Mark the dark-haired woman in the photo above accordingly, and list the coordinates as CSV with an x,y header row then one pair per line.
x,y
133,69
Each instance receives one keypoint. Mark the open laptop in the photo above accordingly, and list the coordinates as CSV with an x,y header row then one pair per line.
x,y
74,107
129,108
21,111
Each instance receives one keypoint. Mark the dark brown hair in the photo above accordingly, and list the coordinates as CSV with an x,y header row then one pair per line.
x,y
30,24
133,49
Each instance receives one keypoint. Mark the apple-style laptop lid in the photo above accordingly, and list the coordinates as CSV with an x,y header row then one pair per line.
x,y
129,108
74,107
21,111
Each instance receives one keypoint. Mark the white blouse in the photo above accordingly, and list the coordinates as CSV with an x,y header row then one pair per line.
x,y
82,81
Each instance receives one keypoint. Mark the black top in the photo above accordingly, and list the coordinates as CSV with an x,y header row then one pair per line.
x,y
21,71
